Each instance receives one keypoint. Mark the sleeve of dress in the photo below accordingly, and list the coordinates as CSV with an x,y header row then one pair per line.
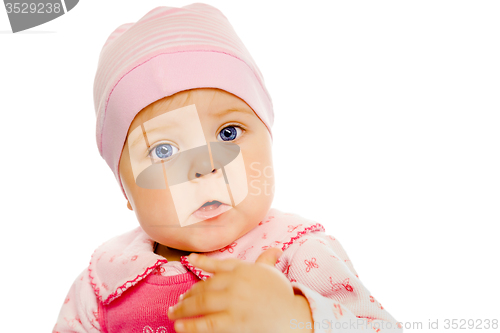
x,y
79,312
319,269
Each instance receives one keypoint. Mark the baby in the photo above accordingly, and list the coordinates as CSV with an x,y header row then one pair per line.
x,y
184,122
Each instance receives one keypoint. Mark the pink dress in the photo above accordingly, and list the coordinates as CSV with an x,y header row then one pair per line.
x,y
128,288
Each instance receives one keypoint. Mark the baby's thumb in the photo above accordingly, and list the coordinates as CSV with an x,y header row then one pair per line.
x,y
269,256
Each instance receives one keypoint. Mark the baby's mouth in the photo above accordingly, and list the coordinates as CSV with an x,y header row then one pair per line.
x,y
211,209
210,205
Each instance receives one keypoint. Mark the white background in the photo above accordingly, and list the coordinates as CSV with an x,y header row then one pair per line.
x,y
386,132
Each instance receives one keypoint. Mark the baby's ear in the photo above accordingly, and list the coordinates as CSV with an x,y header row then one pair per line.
x,y
129,206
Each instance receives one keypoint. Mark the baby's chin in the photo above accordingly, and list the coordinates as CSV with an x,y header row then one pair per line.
x,y
210,244
211,239
208,237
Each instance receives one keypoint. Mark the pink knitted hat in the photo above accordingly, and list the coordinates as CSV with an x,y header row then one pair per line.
x,y
167,51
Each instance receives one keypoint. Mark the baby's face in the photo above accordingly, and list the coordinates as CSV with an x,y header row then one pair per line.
x,y
184,151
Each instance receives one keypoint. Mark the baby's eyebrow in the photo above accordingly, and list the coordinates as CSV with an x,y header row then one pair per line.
x,y
139,137
149,131
226,111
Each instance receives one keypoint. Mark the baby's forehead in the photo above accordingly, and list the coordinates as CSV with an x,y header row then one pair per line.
x,y
175,111
180,122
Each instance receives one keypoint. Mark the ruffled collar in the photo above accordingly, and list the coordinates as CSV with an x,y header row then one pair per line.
x,y
123,261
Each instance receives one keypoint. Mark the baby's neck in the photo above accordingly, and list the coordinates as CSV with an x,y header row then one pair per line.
x,y
169,253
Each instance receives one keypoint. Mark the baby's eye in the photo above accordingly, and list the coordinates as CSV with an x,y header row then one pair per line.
x,y
230,133
163,151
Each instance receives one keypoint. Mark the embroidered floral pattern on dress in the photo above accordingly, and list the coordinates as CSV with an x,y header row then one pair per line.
x,y
266,221
229,248
270,246
241,255
337,311
311,264
292,228
148,329
338,286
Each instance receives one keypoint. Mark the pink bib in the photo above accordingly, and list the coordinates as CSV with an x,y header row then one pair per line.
x,y
143,307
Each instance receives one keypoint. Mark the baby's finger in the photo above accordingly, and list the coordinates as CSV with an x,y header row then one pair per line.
x,y
199,304
213,265
213,323
270,256
215,283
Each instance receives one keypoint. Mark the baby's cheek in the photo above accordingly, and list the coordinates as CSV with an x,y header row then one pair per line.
x,y
156,210
261,180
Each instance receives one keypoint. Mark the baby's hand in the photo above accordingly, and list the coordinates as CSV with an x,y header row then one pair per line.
x,y
240,297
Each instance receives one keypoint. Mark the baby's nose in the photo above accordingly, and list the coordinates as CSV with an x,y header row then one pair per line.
x,y
198,175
